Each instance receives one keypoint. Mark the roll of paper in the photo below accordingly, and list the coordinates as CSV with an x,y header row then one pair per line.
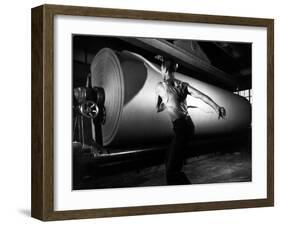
x,y
129,82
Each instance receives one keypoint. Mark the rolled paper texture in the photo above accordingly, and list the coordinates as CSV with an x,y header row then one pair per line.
x,y
129,82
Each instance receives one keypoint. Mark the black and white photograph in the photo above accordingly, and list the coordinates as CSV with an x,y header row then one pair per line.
x,y
160,112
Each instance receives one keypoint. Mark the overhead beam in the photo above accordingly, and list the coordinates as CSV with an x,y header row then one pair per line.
x,y
184,57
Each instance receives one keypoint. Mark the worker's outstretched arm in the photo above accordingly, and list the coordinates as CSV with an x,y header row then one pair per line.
x,y
198,94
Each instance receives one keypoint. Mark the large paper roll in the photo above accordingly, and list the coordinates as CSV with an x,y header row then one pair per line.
x,y
129,83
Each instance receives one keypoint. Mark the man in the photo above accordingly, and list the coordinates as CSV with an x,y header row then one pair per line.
x,y
171,97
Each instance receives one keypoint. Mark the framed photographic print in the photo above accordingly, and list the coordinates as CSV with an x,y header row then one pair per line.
x,y
141,112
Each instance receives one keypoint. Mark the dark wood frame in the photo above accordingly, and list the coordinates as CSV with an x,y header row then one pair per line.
x,y
42,203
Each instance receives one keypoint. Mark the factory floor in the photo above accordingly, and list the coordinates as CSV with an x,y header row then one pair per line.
x,y
233,165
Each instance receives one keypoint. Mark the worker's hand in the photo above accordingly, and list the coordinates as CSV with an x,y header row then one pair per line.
x,y
221,113
160,58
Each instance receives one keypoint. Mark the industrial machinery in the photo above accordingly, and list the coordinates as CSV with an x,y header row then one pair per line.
x,y
119,99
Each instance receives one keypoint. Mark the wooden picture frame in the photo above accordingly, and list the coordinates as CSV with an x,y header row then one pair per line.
x,y
43,107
